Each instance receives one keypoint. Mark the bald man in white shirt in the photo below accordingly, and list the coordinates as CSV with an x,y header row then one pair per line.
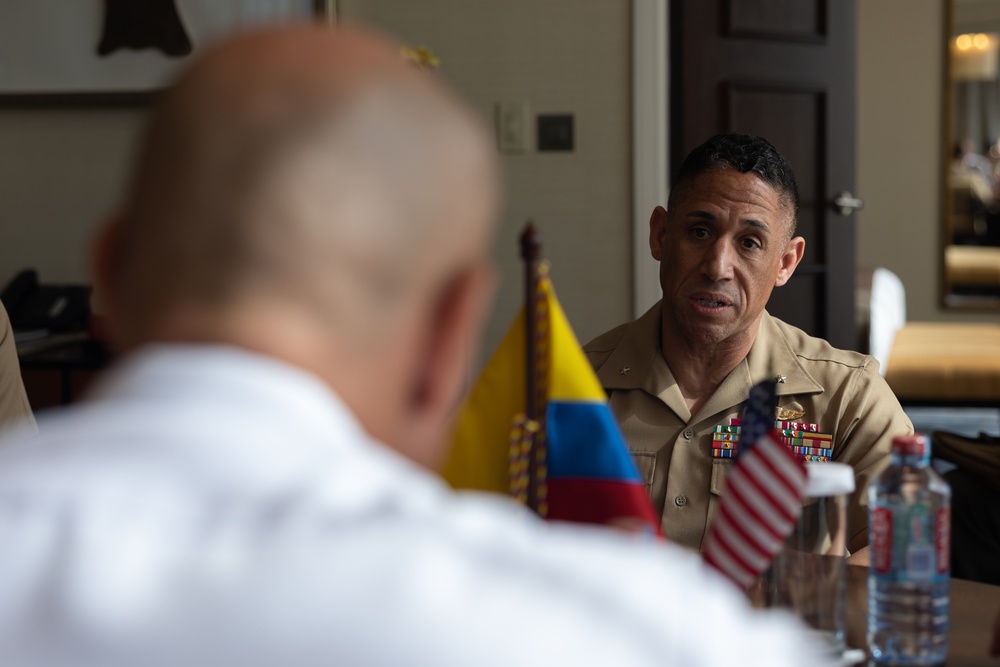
x,y
296,281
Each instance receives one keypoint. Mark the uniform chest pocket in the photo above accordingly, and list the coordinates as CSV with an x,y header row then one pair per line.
x,y
721,469
816,528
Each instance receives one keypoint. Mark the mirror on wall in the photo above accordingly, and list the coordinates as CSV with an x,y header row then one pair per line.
x,y
971,234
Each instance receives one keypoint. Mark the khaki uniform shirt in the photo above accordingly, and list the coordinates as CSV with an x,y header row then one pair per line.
x,y
14,407
840,391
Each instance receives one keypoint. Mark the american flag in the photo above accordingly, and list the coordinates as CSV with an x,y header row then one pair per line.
x,y
763,495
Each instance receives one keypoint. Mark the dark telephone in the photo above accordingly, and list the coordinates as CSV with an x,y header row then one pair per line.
x,y
32,306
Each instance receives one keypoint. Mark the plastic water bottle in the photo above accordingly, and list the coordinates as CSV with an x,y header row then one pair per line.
x,y
909,528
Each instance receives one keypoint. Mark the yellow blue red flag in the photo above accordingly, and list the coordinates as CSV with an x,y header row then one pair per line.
x,y
582,468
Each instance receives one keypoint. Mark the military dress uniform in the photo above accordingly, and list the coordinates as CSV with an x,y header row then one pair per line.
x,y
840,392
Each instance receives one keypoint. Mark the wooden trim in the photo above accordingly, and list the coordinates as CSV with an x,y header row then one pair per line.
x,y
947,121
650,141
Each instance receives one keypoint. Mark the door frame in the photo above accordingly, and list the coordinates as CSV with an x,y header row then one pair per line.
x,y
650,140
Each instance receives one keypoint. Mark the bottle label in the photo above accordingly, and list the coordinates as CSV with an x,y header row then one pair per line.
x,y
881,540
944,540
910,543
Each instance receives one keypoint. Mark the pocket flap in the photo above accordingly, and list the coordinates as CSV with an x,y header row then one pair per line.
x,y
646,464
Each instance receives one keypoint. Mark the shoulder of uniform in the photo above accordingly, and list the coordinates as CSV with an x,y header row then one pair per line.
x,y
599,349
812,349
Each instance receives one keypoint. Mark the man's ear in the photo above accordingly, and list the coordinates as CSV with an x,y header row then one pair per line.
x,y
657,232
790,259
452,341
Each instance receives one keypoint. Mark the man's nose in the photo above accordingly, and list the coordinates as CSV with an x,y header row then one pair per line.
x,y
718,261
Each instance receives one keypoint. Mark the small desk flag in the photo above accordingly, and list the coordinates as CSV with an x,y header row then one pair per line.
x,y
762,498
581,466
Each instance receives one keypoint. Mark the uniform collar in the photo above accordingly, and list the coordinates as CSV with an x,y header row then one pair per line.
x,y
772,356
636,363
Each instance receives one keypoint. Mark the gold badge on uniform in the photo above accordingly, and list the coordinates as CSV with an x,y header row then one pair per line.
x,y
787,414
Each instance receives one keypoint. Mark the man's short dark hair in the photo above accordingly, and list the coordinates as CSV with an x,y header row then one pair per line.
x,y
747,154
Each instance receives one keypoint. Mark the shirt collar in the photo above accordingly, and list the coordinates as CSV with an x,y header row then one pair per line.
x,y
636,362
772,356
638,351
227,376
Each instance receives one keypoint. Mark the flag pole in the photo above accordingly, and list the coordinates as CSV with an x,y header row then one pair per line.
x,y
531,252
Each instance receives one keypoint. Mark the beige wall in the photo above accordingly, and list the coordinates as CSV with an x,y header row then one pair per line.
x,y
60,175
61,171
559,56
899,114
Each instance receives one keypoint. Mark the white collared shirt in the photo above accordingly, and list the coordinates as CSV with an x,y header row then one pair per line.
x,y
211,506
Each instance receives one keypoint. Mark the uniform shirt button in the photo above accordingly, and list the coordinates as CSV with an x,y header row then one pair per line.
x,y
681,500
688,434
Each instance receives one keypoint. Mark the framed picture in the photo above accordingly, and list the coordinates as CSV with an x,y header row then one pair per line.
x,y
94,50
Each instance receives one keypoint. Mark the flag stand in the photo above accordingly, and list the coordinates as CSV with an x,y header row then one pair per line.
x,y
531,251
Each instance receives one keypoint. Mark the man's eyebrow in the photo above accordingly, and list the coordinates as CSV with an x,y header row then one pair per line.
x,y
757,223
750,222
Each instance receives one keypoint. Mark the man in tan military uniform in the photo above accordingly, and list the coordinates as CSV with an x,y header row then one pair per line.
x,y
687,365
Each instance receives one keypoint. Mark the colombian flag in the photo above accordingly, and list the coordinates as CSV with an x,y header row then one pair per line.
x,y
582,468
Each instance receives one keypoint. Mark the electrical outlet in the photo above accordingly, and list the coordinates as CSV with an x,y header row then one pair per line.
x,y
512,127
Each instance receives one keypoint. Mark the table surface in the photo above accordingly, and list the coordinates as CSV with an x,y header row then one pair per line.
x,y
974,606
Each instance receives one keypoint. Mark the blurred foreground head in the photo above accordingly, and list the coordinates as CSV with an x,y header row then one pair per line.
x,y
306,194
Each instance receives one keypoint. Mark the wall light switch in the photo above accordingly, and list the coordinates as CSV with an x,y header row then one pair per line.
x,y
512,127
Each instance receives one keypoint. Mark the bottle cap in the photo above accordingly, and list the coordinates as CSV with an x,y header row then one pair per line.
x,y
828,479
909,445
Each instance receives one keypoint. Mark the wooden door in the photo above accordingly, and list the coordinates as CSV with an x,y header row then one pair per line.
x,y
784,70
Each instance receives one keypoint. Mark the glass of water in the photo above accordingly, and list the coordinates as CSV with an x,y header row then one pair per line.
x,y
808,575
